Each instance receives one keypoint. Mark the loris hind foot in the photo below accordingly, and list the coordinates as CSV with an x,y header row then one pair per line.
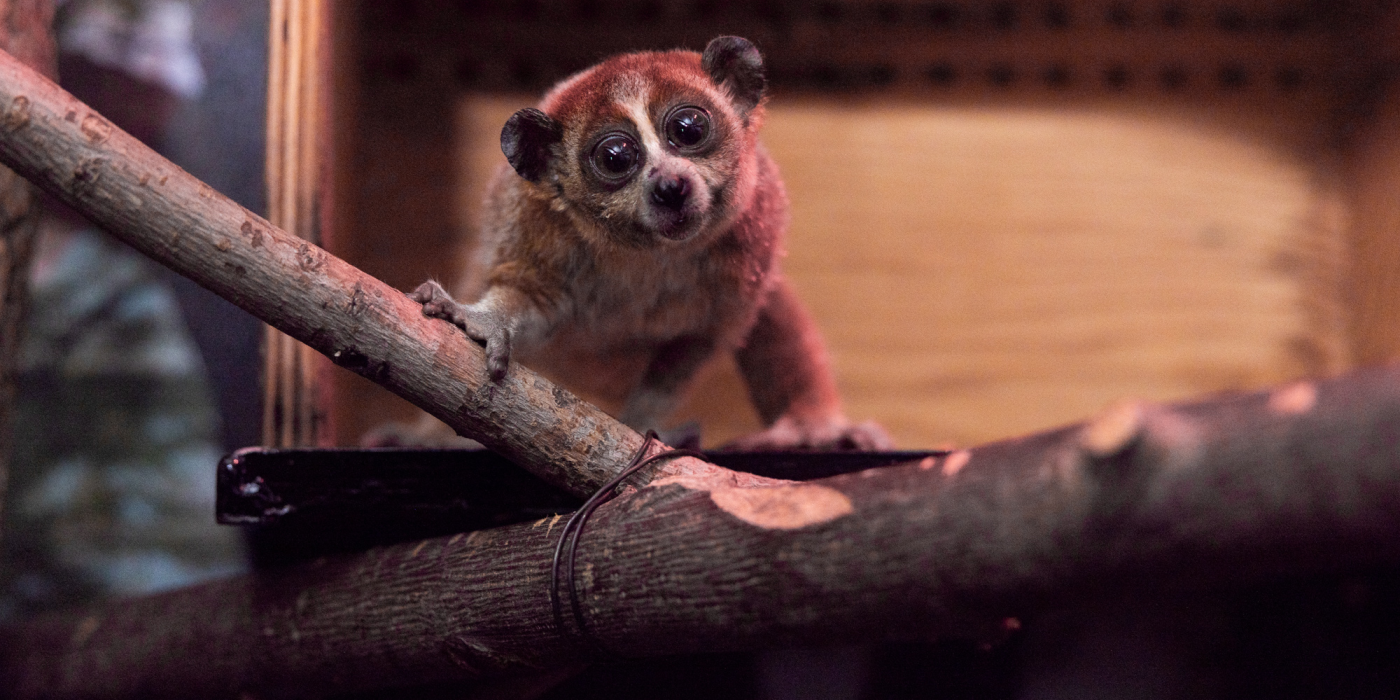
x,y
792,434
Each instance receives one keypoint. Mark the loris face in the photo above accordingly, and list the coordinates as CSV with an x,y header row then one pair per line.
x,y
656,162
647,148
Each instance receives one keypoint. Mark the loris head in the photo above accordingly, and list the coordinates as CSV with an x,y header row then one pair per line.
x,y
647,148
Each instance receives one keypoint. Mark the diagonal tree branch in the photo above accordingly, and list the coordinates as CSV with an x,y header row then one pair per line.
x,y
1302,479
364,325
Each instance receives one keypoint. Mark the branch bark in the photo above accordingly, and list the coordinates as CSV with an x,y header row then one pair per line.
x,y
362,324
1302,479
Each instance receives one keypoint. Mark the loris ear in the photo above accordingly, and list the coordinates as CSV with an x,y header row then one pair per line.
x,y
526,140
735,63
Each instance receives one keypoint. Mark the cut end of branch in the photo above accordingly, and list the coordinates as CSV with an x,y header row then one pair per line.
x,y
1114,430
1294,399
783,507
955,462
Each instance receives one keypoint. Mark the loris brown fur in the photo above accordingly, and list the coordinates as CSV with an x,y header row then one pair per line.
x,y
637,233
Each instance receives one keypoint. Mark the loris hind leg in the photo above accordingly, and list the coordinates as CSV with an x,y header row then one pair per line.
x,y
665,381
785,366
493,321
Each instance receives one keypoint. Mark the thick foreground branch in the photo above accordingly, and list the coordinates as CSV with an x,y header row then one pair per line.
x,y
1299,480
364,325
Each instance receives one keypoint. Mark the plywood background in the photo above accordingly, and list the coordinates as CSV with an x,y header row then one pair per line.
x,y
1373,283
1002,222
985,273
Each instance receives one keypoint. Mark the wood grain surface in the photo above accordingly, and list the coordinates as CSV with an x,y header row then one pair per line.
x,y
981,273
1373,283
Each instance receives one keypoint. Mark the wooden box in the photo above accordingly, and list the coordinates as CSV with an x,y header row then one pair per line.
x,y
1005,214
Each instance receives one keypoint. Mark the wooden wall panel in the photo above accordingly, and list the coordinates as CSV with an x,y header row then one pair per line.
x,y
984,273
1371,122
1374,280
1001,225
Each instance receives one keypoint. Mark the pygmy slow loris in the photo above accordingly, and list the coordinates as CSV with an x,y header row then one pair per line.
x,y
638,234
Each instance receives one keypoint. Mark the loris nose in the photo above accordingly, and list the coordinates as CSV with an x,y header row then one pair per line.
x,y
671,192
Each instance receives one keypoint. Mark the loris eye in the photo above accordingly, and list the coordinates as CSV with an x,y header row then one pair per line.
x,y
616,156
688,128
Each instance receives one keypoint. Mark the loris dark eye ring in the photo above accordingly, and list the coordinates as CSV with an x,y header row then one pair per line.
x,y
688,128
616,156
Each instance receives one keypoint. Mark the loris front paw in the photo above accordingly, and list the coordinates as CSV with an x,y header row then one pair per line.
x,y
437,303
478,323
789,434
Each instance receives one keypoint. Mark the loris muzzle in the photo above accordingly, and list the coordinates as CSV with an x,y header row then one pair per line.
x,y
636,233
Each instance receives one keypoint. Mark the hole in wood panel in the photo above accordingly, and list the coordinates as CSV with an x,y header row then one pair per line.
x,y
708,9
1001,75
525,73
1117,77
889,13
398,67
1232,77
1174,16
1291,22
942,74
1289,78
944,16
647,12
470,8
825,76
1173,78
1231,19
1058,77
587,10
394,16
1004,16
1057,16
831,11
526,10
467,73
839,78
773,12
1120,16
835,77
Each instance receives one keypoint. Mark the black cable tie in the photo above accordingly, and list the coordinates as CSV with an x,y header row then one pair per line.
x,y
575,525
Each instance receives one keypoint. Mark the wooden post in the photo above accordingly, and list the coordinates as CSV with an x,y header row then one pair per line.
x,y
295,403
